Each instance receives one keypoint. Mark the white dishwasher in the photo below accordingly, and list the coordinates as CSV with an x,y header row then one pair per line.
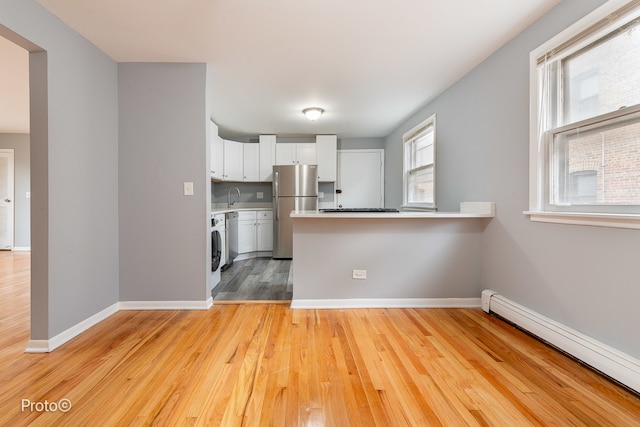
x,y
231,239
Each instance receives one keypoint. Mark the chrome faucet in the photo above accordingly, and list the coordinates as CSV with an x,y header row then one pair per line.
x,y
229,202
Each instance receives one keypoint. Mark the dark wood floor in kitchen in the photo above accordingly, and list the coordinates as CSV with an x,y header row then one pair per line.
x,y
255,279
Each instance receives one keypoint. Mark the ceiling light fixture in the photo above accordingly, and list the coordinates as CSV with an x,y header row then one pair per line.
x,y
312,113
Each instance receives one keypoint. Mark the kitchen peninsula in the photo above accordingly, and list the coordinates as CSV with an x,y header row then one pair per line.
x,y
403,259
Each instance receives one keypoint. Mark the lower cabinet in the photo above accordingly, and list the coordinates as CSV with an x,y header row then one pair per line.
x,y
246,232
264,230
255,232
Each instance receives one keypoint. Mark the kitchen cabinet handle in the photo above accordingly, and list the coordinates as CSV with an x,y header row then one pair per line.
x,y
7,200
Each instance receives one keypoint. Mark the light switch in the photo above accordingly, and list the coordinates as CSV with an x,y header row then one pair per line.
x,y
188,188
359,274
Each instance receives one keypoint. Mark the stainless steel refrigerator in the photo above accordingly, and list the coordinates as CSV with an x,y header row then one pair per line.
x,y
295,188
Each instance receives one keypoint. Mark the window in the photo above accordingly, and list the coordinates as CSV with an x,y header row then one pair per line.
x,y
584,187
419,166
585,119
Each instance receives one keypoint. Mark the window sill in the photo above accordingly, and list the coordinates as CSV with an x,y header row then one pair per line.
x,y
631,221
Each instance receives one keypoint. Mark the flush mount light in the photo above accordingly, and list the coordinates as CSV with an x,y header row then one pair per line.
x,y
312,113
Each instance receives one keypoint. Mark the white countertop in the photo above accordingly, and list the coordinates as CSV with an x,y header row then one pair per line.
x,y
232,209
388,215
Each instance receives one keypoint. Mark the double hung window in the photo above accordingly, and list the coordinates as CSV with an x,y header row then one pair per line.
x,y
585,139
419,166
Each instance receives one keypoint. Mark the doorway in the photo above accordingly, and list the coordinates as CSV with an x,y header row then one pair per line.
x,y
6,199
360,179
25,81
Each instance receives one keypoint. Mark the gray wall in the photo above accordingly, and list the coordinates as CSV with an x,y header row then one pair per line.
x,y
361,143
163,143
248,192
74,169
584,277
19,142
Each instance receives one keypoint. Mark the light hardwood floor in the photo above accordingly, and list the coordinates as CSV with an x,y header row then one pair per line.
x,y
264,364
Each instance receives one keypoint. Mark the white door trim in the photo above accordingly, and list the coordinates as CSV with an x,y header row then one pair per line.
x,y
9,152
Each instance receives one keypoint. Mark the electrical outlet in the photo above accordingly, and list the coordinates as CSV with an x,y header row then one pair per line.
x,y
359,274
259,195
188,188
320,195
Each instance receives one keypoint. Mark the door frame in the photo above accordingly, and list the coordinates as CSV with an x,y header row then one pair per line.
x,y
11,196
362,151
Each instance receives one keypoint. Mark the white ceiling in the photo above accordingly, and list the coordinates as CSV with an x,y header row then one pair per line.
x,y
368,63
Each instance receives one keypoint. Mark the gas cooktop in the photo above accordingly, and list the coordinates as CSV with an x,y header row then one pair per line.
x,y
359,210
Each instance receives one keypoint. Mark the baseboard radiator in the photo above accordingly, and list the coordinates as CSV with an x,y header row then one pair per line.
x,y
613,363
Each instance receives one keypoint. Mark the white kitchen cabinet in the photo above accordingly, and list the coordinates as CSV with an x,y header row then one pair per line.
x,y
233,160
255,231
327,157
217,158
303,153
285,154
264,230
246,232
267,157
251,162
306,153
216,152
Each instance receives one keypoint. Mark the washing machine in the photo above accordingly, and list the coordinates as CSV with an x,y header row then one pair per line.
x,y
217,247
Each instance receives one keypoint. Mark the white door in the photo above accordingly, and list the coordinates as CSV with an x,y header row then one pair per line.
x,y
6,199
360,179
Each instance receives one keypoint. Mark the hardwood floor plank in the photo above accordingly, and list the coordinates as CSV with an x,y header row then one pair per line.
x,y
265,364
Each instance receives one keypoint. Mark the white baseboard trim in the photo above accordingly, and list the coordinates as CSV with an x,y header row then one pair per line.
x,y
611,362
386,303
21,248
166,305
37,346
46,346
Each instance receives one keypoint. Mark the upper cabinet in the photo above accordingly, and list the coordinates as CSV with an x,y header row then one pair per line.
x,y
296,153
306,153
216,152
267,157
241,161
327,157
251,162
285,154
233,161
